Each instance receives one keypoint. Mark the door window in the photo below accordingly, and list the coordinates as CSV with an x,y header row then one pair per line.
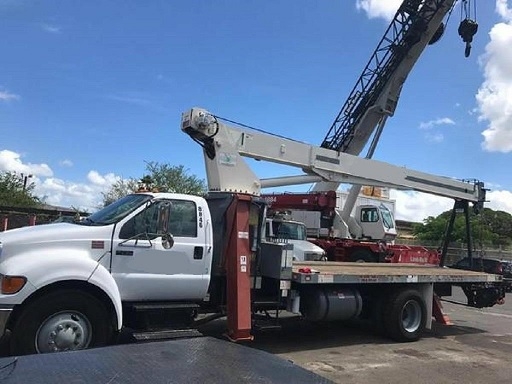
x,y
369,215
182,221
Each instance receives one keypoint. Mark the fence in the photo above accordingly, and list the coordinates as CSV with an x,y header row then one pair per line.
x,y
16,217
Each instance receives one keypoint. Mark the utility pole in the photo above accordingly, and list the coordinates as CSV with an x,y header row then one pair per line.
x,y
25,179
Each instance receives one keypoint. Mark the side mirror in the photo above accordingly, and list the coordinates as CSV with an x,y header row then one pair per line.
x,y
167,241
164,213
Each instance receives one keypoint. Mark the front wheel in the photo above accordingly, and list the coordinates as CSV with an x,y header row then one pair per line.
x,y
64,320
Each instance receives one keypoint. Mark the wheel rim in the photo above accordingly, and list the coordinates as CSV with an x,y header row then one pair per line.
x,y
63,331
411,316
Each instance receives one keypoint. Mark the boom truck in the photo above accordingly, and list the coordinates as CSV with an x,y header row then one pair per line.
x,y
368,234
157,260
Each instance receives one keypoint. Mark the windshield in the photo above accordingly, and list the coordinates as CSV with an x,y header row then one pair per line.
x,y
288,230
387,218
117,210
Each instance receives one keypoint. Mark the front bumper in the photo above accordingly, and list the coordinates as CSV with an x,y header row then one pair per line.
x,y
5,313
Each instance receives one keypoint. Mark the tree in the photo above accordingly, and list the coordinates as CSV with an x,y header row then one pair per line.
x,y
163,177
489,228
14,192
170,178
120,188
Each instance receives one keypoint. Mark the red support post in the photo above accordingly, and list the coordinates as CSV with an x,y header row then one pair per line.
x,y
238,274
31,219
437,312
5,223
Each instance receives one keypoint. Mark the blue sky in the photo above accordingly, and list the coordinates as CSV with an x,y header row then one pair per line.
x,y
91,90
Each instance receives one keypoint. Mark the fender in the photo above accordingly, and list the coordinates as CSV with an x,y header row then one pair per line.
x,y
42,269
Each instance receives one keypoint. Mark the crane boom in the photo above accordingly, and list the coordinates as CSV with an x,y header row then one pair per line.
x,y
375,95
376,92
225,146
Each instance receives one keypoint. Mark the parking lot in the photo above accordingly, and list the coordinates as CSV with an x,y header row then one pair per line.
x,y
476,349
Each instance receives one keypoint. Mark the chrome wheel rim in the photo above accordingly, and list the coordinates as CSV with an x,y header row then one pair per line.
x,y
411,316
63,331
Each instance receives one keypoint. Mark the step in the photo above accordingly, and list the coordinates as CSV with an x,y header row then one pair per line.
x,y
159,306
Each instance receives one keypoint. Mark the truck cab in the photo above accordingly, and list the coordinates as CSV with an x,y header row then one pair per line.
x,y
279,228
60,281
375,223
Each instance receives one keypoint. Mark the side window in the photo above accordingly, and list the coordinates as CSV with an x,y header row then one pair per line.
x,y
183,220
143,223
369,215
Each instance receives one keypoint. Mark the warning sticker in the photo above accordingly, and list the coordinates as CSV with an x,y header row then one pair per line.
x,y
243,235
243,260
325,278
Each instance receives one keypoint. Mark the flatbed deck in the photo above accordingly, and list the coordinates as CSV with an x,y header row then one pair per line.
x,y
352,273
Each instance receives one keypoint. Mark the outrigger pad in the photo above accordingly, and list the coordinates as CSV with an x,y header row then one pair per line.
x,y
197,360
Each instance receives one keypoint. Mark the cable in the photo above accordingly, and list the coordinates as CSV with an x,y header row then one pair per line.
x,y
258,129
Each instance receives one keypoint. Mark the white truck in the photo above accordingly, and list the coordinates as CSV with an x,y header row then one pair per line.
x,y
154,260
280,228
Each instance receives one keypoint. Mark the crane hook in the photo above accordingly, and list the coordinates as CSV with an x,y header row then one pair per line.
x,y
467,29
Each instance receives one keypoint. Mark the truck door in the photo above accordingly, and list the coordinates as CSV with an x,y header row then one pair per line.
x,y
145,270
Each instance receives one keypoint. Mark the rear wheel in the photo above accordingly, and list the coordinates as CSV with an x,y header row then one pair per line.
x,y
405,315
61,321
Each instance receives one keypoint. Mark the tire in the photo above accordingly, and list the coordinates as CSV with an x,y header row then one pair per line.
x,y
405,316
363,256
61,321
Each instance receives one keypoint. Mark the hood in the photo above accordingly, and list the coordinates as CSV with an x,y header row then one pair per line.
x,y
57,238
304,250
306,246
54,232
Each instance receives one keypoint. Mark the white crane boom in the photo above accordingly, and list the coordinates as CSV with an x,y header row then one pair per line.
x,y
225,146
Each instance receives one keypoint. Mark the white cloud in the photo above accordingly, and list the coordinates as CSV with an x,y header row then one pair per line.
x,y
416,206
11,161
84,195
50,28
384,9
440,121
434,137
64,193
66,163
8,96
503,10
494,97
500,200
101,180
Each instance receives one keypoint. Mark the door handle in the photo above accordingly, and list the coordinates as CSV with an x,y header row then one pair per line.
x,y
198,253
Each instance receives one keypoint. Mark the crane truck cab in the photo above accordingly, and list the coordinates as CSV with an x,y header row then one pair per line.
x,y
372,222
281,228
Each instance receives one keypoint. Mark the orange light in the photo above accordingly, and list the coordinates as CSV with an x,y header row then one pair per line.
x,y
12,284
